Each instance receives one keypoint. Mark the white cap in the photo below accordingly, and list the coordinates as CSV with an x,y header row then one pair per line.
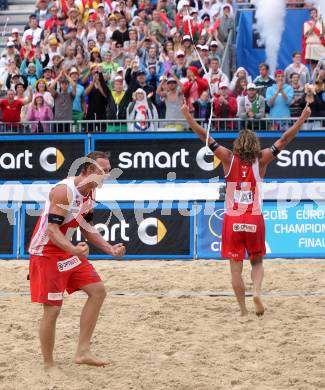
x,y
204,47
120,69
91,11
223,84
140,90
14,31
73,70
171,79
199,46
100,5
251,86
10,44
214,43
118,78
180,53
181,4
186,37
193,10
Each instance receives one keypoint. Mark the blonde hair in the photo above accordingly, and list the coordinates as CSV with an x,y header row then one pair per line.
x,y
247,146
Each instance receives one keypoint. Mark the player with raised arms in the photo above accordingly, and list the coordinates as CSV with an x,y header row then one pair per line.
x,y
243,226
56,265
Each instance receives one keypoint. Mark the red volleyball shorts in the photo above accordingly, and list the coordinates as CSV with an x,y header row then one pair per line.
x,y
243,233
50,277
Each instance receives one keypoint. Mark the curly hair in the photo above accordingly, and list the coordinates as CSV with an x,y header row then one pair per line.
x,y
247,146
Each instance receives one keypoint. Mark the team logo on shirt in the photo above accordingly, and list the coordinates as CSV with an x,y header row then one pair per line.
x,y
51,159
154,226
207,161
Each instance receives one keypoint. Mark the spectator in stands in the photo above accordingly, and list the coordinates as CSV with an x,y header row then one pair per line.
x,y
202,64
188,49
142,112
296,105
109,66
179,68
314,98
240,73
10,54
279,97
141,81
97,92
152,59
251,107
313,40
11,108
25,94
51,21
215,76
153,78
69,58
173,99
79,103
112,26
227,24
122,33
14,78
216,49
297,67
225,106
202,108
194,87
41,87
63,100
264,80
33,30
118,101
32,71
240,88
39,112
119,55
157,27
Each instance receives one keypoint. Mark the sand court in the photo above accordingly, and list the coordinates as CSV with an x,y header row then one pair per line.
x,y
174,325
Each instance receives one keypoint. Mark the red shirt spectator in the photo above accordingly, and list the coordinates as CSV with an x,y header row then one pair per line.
x,y
225,105
193,88
11,108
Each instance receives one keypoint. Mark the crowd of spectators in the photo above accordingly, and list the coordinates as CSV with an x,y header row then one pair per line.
x,y
129,62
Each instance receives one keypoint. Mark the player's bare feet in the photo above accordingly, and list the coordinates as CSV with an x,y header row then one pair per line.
x,y
259,307
88,358
48,367
243,312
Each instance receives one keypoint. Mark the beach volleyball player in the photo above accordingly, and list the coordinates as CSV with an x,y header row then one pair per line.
x,y
243,226
56,265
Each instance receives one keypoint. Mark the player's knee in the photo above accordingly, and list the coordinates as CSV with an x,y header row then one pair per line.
x,y
99,292
256,260
52,312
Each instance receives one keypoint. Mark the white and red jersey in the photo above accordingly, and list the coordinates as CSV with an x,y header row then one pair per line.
x,y
243,187
79,206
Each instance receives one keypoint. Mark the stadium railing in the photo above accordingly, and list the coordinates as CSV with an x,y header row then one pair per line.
x,y
161,125
249,4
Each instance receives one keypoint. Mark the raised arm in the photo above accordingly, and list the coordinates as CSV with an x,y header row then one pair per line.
x,y
269,154
219,151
